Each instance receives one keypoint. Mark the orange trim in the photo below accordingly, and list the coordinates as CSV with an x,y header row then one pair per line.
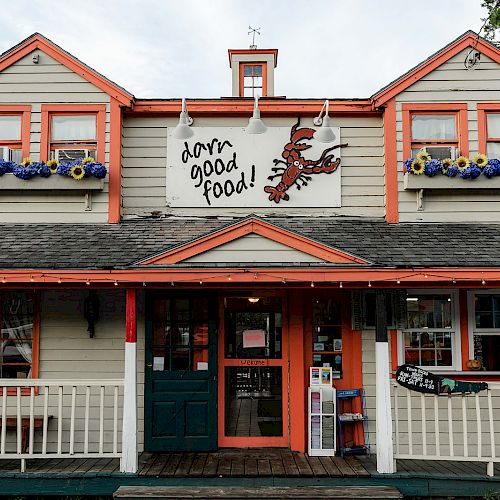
x,y
482,124
49,110
394,350
269,106
245,442
39,42
252,226
464,328
298,407
468,40
264,76
459,109
232,52
391,164
25,111
115,162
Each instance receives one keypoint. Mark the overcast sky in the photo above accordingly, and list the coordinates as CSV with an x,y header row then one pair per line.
x,y
178,48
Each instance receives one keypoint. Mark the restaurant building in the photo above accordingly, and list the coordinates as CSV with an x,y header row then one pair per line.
x,y
176,302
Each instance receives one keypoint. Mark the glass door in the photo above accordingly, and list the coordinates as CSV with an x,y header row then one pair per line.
x,y
253,369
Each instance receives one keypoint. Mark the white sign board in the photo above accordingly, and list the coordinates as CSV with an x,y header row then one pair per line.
x,y
226,167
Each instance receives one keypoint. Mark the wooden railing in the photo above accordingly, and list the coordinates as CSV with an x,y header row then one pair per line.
x,y
457,427
60,419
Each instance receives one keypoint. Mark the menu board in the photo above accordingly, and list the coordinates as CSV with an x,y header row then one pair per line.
x,y
416,379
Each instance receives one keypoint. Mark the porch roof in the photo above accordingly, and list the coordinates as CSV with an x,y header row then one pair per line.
x,y
107,246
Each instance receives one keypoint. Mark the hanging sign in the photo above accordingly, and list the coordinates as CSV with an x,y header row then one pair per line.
x,y
419,380
225,167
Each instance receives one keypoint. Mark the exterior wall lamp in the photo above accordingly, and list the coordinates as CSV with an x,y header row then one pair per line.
x,y
255,124
325,132
182,131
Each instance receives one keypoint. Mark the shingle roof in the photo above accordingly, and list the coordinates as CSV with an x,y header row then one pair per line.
x,y
104,246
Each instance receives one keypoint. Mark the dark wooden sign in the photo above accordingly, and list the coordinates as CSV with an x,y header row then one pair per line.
x,y
419,380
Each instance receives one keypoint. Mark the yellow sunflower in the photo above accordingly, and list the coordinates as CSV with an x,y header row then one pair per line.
x,y
418,167
26,162
480,160
88,159
52,164
423,156
462,162
448,162
77,172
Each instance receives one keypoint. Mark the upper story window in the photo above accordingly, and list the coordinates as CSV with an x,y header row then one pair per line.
x,y
11,137
437,133
484,322
73,136
431,336
493,135
252,80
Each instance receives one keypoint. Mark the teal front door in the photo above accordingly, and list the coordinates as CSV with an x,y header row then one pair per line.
x,y
180,397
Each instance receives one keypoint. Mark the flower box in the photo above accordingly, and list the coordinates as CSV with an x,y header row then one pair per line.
x,y
417,182
58,182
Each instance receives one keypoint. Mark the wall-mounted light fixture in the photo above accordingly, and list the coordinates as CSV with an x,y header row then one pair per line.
x,y
255,124
325,133
182,131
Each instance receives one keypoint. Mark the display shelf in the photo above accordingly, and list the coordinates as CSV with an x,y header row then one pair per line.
x,y
322,421
352,420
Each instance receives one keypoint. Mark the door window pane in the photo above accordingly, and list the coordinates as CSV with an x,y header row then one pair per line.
x,y
493,150
433,127
493,125
10,128
429,311
73,128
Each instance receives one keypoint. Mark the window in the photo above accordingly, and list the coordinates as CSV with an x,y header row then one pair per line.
x,y
430,337
493,135
19,335
440,129
253,81
484,323
14,132
71,131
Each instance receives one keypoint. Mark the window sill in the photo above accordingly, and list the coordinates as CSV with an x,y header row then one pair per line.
x,y
417,182
54,182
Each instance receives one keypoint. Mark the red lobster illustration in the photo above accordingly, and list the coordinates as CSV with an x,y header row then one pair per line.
x,y
296,167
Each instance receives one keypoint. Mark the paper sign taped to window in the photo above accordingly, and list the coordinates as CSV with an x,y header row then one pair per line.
x,y
254,338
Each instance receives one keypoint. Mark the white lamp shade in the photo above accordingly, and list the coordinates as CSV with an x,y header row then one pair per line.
x,y
255,126
182,131
325,132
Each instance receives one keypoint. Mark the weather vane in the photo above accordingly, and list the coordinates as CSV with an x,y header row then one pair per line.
x,y
253,31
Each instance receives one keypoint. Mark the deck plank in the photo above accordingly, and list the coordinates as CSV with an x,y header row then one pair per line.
x,y
316,466
171,466
302,464
277,468
210,468
159,463
343,466
237,467
184,465
198,465
251,469
330,467
290,465
264,467
224,466
357,466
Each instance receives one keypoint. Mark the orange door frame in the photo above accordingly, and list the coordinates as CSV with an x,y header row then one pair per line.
x,y
223,362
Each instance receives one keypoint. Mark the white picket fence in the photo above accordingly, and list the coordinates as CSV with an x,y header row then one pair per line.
x,y
457,427
78,419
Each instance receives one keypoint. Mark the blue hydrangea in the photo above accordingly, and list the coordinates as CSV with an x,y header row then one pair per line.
x,y
88,167
475,170
99,170
465,173
25,173
432,168
452,171
64,168
495,164
490,171
43,170
6,166
407,164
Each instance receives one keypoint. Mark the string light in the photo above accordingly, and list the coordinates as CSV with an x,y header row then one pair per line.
x,y
369,284
116,283
201,282
398,281
4,280
171,283
454,281
32,279
340,285
59,281
283,281
425,275
229,277
483,282
312,284
143,283
255,276
87,282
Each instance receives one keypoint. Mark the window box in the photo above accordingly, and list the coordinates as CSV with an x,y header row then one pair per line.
x,y
54,182
417,182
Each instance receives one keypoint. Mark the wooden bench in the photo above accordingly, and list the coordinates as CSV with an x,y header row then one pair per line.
x,y
11,424
257,492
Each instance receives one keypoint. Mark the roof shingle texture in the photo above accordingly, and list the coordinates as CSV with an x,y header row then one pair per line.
x,y
104,246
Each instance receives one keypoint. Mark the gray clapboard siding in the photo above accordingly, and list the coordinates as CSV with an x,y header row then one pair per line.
x,y
451,82
144,166
49,82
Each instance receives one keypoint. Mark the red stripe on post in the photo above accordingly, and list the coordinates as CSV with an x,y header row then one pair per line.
x,y
131,316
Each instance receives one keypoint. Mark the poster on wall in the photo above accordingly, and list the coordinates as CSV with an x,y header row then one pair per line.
x,y
224,167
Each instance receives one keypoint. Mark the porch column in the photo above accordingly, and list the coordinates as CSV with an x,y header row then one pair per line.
x,y
129,460
385,453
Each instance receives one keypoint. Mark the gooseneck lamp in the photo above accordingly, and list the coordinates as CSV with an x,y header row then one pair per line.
x,y
325,132
255,124
182,131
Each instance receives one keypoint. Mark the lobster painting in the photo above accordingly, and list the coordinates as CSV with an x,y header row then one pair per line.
x,y
297,170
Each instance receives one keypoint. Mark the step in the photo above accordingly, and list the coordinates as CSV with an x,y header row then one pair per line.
x,y
254,493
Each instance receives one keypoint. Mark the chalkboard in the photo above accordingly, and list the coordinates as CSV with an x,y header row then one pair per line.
x,y
419,380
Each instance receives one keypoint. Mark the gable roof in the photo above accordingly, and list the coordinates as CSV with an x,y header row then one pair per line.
x,y
38,41
468,39
252,225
